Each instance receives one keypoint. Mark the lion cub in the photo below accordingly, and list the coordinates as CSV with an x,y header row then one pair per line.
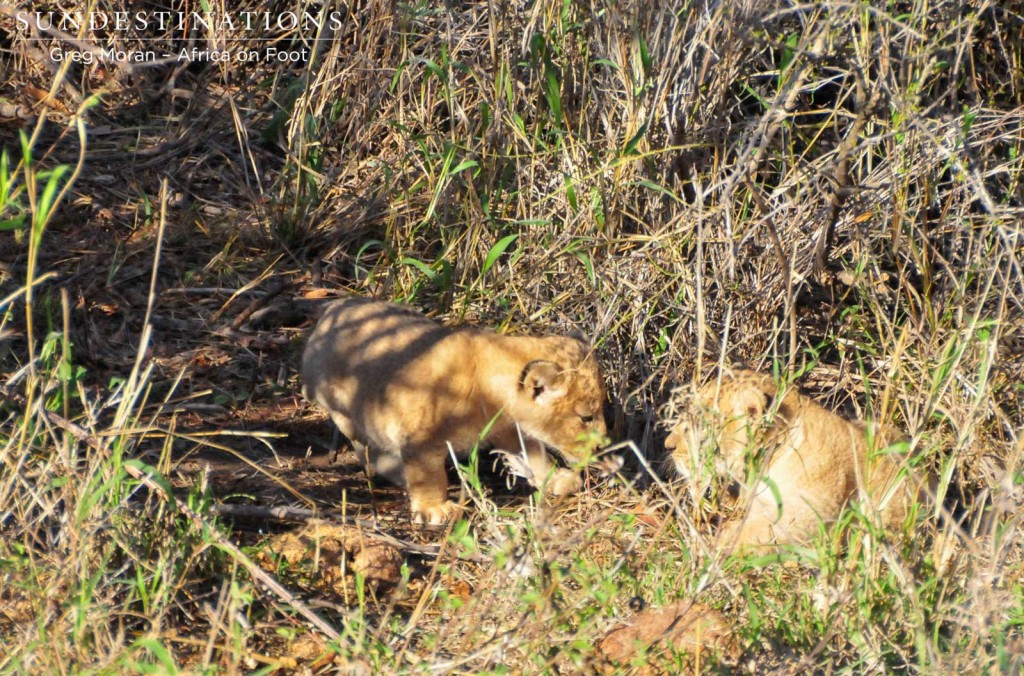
x,y
807,463
404,388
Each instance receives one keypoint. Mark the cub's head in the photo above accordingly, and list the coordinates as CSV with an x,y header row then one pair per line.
x,y
720,424
560,398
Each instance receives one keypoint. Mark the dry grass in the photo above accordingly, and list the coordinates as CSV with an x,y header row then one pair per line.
x,y
834,190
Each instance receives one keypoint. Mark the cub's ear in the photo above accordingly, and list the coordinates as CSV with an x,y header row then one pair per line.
x,y
544,381
752,402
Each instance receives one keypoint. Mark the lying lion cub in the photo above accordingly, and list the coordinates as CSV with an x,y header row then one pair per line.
x,y
404,387
816,460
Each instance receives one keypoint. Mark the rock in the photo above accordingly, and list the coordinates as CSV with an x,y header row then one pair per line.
x,y
378,562
329,544
684,627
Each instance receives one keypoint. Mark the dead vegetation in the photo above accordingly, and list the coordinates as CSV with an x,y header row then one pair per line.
x,y
835,191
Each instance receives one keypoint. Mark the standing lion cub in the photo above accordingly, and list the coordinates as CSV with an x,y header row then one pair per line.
x,y
806,463
404,388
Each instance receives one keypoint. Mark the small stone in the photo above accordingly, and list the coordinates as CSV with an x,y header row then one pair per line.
x,y
378,562
684,627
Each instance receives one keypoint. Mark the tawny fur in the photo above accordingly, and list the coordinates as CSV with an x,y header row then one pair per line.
x,y
402,388
818,461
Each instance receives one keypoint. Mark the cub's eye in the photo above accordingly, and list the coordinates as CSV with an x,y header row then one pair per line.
x,y
587,419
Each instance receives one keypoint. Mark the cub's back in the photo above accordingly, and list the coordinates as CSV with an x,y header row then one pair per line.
x,y
361,344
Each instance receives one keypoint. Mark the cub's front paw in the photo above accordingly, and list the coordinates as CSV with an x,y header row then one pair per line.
x,y
437,514
563,482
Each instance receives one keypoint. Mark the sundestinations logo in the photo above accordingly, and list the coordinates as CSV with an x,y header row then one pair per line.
x,y
93,25
178,21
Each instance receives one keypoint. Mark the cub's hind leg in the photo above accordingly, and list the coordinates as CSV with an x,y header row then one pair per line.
x,y
387,466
